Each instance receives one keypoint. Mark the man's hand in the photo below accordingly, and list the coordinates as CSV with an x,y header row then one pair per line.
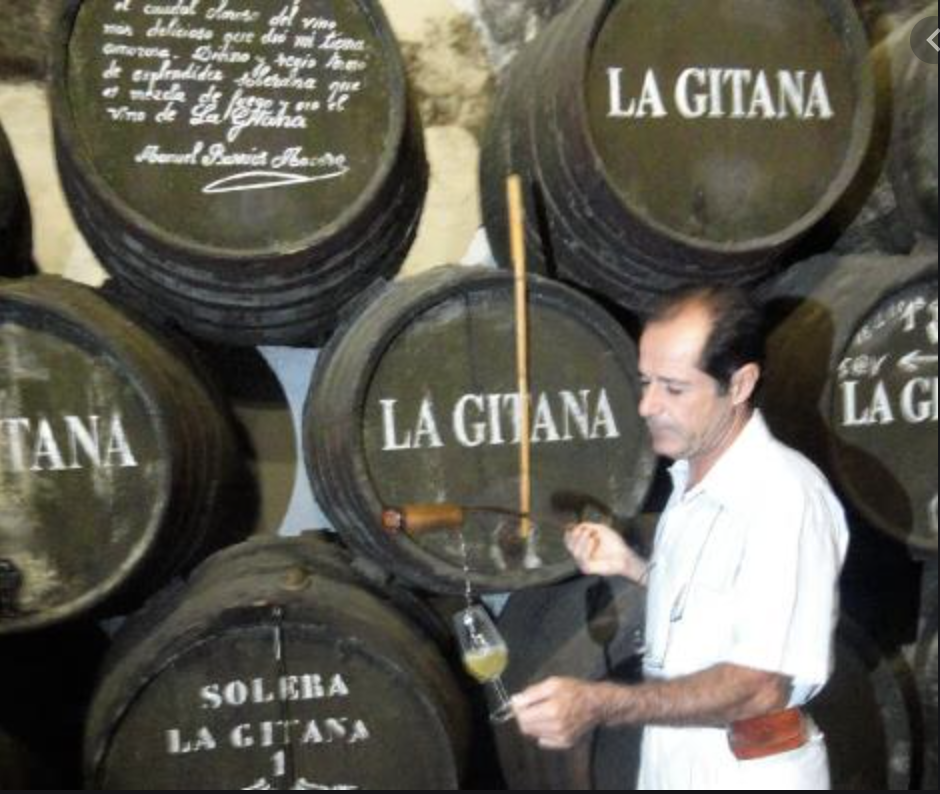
x,y
600,551
559,712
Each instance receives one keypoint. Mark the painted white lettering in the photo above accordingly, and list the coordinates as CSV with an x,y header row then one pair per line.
x,y
464,438
649,105
543,423
692,106
919,401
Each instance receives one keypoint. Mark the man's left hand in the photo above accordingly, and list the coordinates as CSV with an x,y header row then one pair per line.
x,y
559,712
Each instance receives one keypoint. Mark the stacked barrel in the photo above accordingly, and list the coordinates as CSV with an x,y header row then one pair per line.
x,y
278,666
116,459
247,179
388,429
656,155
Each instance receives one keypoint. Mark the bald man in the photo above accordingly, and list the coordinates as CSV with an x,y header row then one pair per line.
x,y
743,583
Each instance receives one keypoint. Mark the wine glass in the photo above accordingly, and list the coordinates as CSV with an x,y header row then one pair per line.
x,y
485,656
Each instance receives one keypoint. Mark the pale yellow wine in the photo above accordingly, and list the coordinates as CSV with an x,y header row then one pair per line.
x,y
488,664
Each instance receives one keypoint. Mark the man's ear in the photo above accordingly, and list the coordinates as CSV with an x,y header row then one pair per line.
x,y
744,383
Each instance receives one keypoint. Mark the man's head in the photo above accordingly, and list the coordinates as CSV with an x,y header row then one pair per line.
x,y
701,357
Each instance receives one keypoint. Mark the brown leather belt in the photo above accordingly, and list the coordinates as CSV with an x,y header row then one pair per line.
x,y
767,736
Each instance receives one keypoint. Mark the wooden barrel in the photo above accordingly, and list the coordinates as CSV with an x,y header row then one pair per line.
x,y
894,201
15,227
868,713
115,457
277,667
852,382
651,164
589,629
914,159
246,172
415,402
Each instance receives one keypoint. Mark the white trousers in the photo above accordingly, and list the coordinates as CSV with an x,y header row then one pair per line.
x,y
693,759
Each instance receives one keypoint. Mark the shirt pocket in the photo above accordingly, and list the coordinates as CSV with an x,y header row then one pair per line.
x,y
701,633
720,559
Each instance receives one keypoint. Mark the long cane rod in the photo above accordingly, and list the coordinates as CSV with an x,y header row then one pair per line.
x,y
517,240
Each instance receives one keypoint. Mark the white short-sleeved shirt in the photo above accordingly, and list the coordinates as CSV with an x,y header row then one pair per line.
x,y
745,572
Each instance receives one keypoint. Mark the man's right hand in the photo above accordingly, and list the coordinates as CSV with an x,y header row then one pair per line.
x,y
600,551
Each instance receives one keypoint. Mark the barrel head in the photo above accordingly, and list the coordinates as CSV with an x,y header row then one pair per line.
x,y
269,707
731,124
851,381
277,667
417,404
83,470
885,411
240,130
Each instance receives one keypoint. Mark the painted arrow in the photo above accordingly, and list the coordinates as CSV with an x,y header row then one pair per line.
x,y
914,360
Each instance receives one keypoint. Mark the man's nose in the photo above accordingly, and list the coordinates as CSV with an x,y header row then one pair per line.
x,y
649,404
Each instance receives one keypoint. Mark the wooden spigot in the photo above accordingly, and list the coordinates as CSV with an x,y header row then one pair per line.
x,y
421,519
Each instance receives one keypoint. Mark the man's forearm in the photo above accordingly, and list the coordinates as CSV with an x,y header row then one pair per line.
x,y
713,698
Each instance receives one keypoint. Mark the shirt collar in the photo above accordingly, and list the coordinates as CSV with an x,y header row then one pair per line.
x,y
739,463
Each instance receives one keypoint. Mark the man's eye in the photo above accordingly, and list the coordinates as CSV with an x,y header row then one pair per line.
x,y
675,391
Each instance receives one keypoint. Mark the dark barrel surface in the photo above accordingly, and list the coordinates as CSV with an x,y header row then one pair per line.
x,y
894,202
868,713
114,456
914,157
667,142
15,225
852,382
589,629
415,402
245,170
277,667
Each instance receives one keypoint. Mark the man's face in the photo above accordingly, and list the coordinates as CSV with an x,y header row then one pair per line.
x,y
688,414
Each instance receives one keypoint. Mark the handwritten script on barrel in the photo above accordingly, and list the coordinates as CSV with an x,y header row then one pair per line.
x,y
182,104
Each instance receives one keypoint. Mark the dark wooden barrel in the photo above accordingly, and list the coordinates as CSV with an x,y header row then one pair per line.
x,y
245,171
868,713
914,160
927,675
15,226
277,667
894,201
589,629
415,403
852,382
651,164
115,457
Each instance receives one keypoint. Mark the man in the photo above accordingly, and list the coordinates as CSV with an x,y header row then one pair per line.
x,y
743,596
